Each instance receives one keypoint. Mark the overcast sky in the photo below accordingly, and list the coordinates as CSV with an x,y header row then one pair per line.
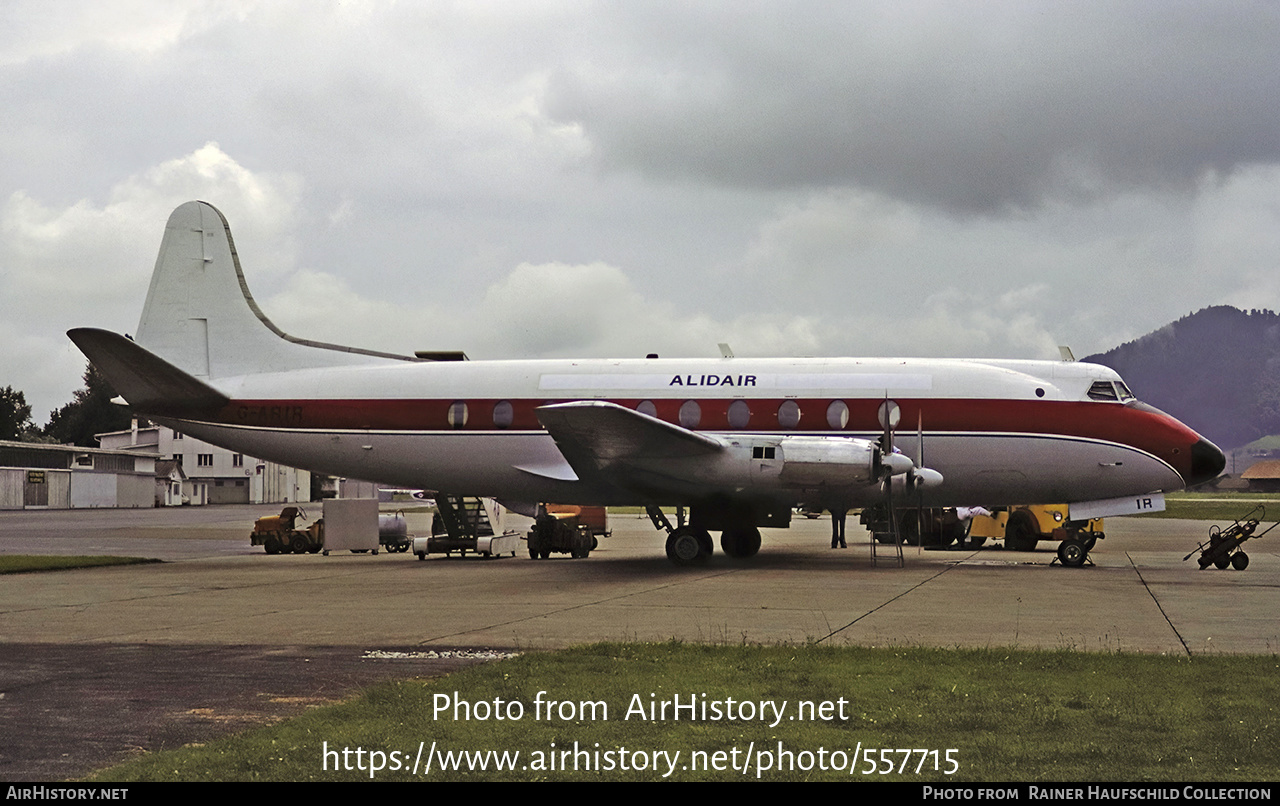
x,y
611,179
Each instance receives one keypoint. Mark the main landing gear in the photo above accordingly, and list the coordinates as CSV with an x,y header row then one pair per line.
x,y
741,543
688,544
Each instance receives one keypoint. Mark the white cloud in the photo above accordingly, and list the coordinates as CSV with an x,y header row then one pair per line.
x,y
89,264
30,30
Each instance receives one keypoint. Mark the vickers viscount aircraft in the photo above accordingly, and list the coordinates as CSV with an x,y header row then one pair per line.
x,y
738,441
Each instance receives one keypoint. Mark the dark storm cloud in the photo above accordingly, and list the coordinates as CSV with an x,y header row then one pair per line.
x,y
970,107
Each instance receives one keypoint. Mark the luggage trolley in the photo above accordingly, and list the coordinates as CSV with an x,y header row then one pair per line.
x,y
1223,548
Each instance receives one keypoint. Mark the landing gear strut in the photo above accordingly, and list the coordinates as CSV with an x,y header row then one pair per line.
x,y
686,544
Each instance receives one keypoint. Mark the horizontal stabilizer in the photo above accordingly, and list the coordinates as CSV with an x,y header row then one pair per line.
x,y
596,436
147,381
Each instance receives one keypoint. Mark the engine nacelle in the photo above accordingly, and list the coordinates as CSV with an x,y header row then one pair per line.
x,y
808,462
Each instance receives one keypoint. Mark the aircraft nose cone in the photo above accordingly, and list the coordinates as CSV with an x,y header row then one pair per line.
x,y
1207,461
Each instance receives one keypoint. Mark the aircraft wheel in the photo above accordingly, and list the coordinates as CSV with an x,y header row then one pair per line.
x,y
1072,553
740,543
422,555
595,542
729,542
1221,563
684,547
1239,561
1020,531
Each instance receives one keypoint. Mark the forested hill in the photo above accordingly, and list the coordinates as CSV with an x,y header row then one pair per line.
x,y
1217,370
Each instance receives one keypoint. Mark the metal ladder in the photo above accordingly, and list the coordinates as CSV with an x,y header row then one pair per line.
x,y
878,525
463,517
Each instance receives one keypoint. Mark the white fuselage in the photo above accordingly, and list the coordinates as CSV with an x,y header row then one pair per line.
x,y
999,432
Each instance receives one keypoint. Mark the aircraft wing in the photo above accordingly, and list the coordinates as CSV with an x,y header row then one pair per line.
x,y
627,448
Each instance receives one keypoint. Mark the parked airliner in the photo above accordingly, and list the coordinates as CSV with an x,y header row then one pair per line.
x,y
739,441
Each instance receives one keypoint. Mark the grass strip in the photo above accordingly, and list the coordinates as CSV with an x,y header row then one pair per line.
x,y
1223,508
28,563
1006,715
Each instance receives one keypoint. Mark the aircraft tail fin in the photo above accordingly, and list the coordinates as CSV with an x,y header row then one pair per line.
x,y
200,317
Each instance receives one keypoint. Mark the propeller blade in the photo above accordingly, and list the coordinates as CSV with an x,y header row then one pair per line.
x,y
920,462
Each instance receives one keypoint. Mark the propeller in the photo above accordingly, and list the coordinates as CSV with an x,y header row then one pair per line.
x,y
891,463
897,469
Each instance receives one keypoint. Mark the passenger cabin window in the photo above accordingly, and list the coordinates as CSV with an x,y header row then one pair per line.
x,y
503,414
789,414
838,414
647,407
690,414
457,414
739,414
1102,390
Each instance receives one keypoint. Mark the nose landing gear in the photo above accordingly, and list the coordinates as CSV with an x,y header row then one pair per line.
x,y
1073,551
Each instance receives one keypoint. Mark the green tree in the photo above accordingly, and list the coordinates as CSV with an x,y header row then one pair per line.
x,y
89,412
15,414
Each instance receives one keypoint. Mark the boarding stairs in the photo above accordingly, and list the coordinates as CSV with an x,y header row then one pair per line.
x,y
463,518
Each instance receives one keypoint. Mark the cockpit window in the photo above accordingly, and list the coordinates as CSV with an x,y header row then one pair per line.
x,y
1125,394
1102,390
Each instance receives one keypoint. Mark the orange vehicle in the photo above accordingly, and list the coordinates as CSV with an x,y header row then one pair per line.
x,y
278,533
565,528
1023,527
